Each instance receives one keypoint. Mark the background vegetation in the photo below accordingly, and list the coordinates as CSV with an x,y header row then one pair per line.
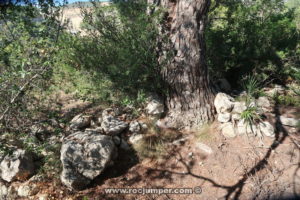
x,y
254,37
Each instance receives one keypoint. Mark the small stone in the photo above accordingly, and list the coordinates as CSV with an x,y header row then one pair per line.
x,y
18,166
204,148
267,129
135,138
3,191
289,121
113,126
27,190
100,119
108,112
80,121
228,130
179,142
135,127
43,196
144,126
155,106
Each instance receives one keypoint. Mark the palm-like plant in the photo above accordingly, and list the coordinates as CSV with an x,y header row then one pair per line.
x,y
251,86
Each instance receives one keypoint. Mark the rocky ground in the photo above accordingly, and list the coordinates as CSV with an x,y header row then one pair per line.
x,y
115,148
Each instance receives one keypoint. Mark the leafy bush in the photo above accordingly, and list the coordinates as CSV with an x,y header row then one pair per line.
x,y
118,44
257,37
287,100
28,47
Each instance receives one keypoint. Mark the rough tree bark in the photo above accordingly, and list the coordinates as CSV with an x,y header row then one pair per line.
x,y
190,98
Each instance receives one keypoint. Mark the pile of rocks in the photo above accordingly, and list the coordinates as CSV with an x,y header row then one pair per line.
x,y
229,115
93,146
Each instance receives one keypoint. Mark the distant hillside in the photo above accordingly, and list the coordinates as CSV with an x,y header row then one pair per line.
x,y
79,4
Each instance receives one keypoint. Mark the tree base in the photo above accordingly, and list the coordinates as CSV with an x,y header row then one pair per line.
x,y
187,120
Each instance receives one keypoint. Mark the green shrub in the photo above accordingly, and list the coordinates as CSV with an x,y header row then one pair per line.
x,y
243,37
118,45
27,51
287,100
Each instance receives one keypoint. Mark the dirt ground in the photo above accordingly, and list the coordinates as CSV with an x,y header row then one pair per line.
x,y
239,168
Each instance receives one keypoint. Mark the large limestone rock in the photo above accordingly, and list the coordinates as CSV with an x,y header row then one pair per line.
x,y
239,107
17,166
155,106
112,125
264,103
289,121
84,156
80,121
223,103
224,117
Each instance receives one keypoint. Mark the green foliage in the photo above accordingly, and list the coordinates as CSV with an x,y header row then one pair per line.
x,y
118,45
82,84
27,51
251,86
257,37
250,115
287,100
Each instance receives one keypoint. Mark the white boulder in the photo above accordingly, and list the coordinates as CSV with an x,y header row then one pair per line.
x,y
223,103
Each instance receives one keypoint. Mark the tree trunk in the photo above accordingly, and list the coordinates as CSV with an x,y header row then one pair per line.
x,y
190,98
